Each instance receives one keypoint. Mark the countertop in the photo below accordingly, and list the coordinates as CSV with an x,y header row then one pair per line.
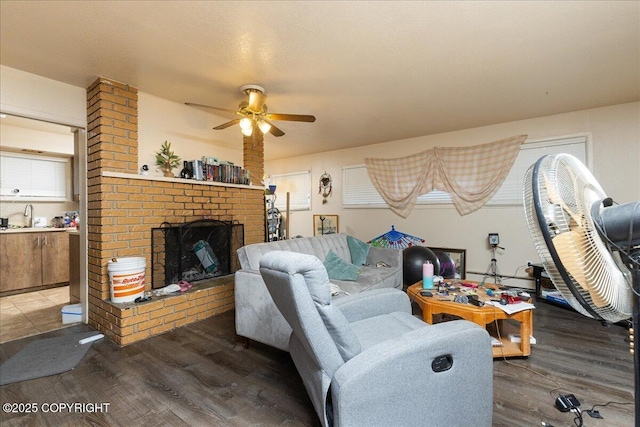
x,y
35,230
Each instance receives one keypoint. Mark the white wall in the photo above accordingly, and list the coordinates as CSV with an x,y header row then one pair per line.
x,y
615,155
28,95
16,138
189,129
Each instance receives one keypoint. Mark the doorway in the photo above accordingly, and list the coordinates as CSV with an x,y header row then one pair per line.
x,y
32,306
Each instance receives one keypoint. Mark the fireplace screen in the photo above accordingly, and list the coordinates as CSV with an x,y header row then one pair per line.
x,y
194,251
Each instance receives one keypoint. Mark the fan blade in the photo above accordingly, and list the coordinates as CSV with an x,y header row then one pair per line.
x,y
191,104
291,117
228,124
555,198
573,250
274,130
256,101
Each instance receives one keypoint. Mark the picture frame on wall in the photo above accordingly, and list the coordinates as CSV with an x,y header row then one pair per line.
x,y
325,224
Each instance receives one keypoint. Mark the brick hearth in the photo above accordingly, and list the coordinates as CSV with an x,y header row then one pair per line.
x,y
123,207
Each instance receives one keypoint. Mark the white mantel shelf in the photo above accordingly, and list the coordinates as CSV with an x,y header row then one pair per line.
x,y
111,174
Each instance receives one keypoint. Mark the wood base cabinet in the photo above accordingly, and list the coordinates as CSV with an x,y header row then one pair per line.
x,y
55,258
32,260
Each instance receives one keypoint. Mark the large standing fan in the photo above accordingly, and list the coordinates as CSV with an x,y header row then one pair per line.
x,y
590,248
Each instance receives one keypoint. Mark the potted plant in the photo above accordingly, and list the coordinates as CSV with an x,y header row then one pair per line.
x,y
167,159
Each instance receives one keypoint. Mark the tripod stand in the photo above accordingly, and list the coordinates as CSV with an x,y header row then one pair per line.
x,y
492,269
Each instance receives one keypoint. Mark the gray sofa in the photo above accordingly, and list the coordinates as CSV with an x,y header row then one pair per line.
x,y
366,361
257,317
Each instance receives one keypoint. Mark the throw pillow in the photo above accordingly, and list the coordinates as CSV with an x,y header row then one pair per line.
x,y
339,269
358,249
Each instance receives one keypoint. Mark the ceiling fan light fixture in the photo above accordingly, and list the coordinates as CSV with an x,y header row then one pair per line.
x,y
246,126
264,126
246,123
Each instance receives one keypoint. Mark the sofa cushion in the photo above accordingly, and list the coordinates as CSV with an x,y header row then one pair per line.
x,y
340,331
371,277
358,250
373,330
339,269
249,256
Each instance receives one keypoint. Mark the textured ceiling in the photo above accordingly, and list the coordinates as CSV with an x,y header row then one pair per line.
x,y
369,71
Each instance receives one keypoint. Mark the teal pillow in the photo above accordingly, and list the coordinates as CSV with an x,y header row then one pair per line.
x,y
339,269
358,249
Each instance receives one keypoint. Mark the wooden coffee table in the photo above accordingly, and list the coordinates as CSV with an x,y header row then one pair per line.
x,y
479,315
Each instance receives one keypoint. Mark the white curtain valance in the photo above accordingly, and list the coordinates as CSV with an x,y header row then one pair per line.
x,y
471,175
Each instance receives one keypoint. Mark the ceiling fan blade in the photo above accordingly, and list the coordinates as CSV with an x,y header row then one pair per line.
x,y
227,124
256,100
274,130
208,107
291,117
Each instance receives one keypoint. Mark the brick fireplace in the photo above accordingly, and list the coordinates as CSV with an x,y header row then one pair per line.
x,y
123,207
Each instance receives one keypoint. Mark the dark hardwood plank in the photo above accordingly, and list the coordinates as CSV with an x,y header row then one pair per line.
x,y
200,374
575,355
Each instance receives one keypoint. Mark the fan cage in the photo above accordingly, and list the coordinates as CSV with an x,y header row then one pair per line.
x,y
566,191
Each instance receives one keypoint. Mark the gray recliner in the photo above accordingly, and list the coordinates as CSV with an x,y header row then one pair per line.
x,y
366,361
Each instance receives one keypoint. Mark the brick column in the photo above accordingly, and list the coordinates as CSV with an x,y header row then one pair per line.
x,y
253,155
112,145
112,125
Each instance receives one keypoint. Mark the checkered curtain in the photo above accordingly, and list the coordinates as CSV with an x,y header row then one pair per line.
x,y
471,175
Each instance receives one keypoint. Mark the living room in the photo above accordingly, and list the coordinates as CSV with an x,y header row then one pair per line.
x,y
610,129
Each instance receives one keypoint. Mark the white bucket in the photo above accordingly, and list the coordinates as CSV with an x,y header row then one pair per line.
x,y
126,276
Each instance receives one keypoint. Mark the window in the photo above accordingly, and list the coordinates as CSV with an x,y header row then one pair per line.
x,y
510,193
33,176
358,191
357,187
298,184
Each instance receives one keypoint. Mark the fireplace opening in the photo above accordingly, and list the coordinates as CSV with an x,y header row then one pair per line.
x,y
194,251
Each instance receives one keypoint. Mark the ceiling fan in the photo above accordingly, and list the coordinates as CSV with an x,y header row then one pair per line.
x,y
254,112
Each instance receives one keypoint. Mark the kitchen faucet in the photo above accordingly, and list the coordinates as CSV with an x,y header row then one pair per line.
x,y
28,210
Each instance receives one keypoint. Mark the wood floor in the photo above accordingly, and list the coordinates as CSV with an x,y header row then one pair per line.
x,y
201,375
